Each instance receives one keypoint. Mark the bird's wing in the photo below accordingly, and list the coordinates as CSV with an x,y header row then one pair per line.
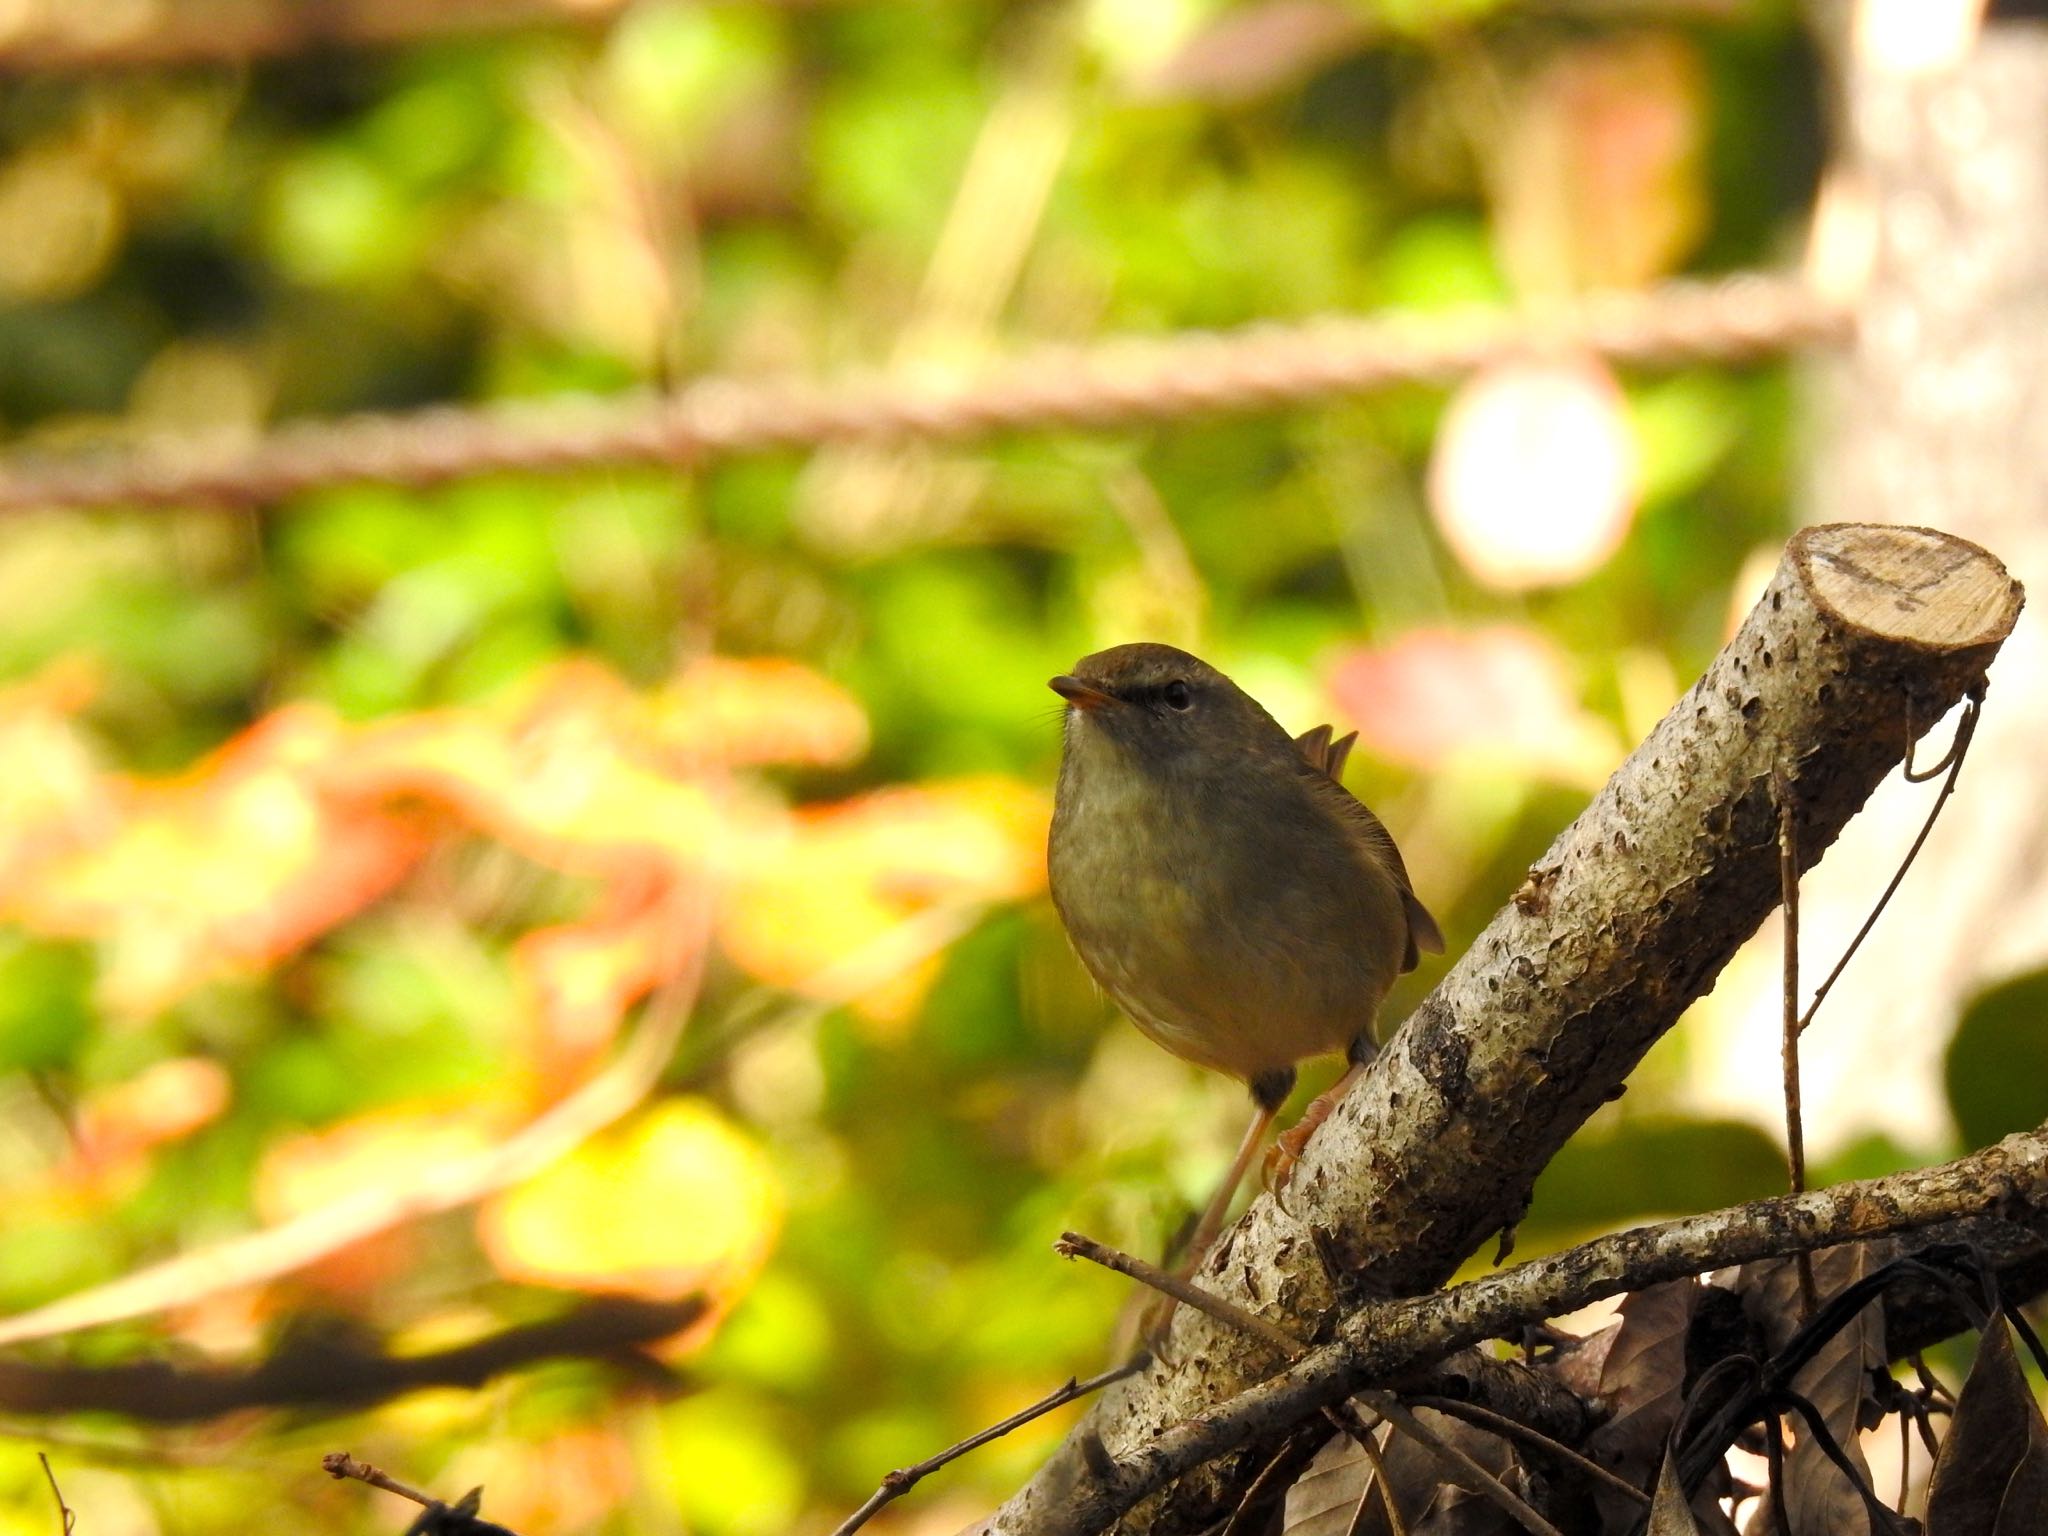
x,y
1322,761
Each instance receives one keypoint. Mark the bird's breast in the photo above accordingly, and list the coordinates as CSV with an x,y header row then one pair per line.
x,y
1233,926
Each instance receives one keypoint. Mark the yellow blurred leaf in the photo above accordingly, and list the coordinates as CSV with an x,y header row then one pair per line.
x,y
672,1203
383,1149
843,876
386,1147
758,710
564,771
584,976
53,795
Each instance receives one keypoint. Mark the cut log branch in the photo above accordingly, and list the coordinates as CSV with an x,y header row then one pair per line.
x,y
1864,632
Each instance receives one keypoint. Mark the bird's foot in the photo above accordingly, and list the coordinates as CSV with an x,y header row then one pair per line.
x,y
1155,1323
1289,1145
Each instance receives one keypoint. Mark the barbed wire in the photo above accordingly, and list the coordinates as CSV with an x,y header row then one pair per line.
x,y
1115,383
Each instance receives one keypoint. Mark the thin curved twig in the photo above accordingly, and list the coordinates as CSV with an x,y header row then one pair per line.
x,y
1952,760
899,1482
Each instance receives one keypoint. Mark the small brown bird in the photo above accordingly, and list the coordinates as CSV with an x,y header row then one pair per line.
x,y
1219,883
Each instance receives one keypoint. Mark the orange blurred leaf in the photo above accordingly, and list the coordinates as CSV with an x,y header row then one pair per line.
x,y
758,710
1599,178
674,1202
1498,698
564,771
584,976
119,1125
236,862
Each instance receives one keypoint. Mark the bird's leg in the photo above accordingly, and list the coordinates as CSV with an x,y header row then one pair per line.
x,y
1211,1224
1269,1092
1292,1142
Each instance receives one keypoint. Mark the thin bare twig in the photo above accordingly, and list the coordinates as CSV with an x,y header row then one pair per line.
x,y
1774,1451
65,1513
1465,1472
1795,1128
339,1464
1072,1245
895,1484
1370,1448
440,1519
1952,760
1252,1513
1114,382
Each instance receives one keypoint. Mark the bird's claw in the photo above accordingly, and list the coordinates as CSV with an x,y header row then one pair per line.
x,y
1285,1154
1155,1325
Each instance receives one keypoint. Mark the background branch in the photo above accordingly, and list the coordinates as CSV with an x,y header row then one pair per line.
x,y
331,1371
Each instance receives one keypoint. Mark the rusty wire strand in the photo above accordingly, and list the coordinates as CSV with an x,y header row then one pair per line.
x,y
1119,382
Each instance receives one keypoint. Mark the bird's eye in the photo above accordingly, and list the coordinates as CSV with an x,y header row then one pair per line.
x,y
1177,695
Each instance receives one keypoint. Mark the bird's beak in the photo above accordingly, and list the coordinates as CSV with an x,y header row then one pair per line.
x,y
1081,695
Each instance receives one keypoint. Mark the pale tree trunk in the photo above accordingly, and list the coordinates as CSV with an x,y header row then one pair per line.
x,y
1937,414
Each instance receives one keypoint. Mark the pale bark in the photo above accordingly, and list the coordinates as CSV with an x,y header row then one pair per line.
x,y
1619,926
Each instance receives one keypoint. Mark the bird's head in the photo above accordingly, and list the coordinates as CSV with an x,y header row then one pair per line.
x,y
1161,705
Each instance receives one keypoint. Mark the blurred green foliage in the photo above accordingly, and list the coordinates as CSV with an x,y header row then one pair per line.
x,y
1997,1067
753,188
